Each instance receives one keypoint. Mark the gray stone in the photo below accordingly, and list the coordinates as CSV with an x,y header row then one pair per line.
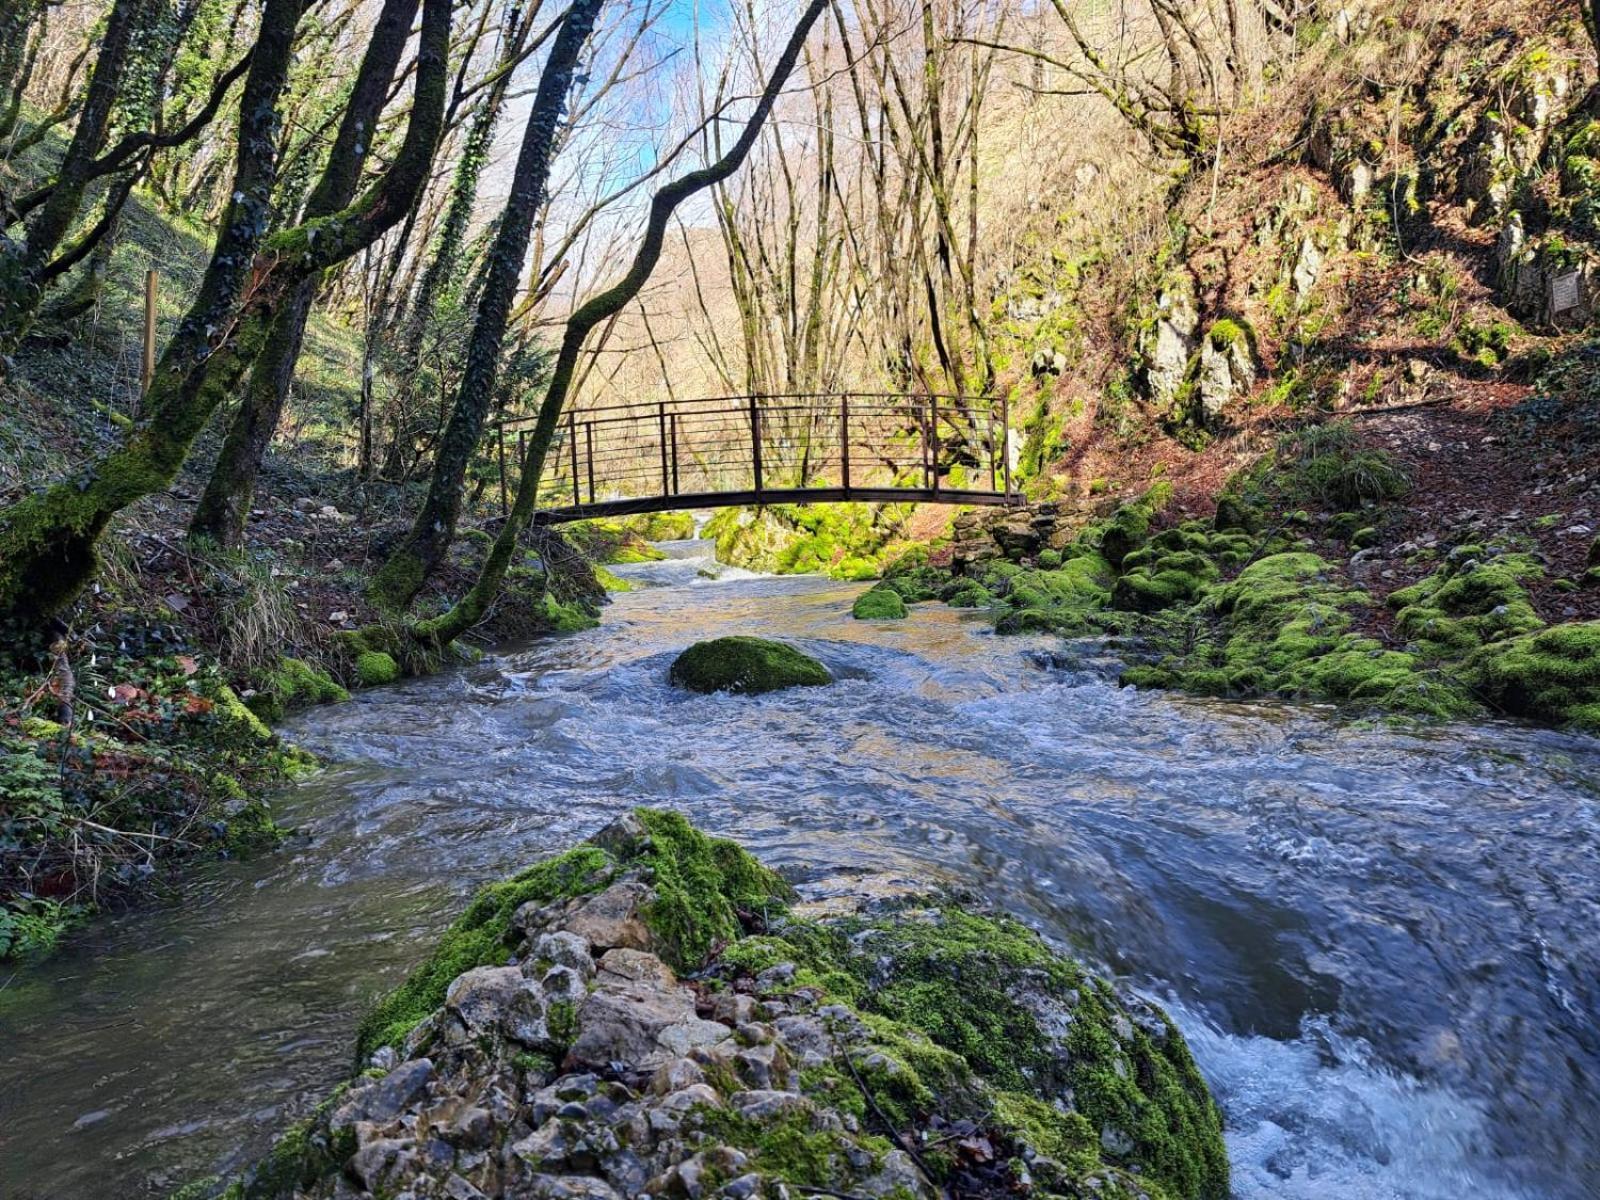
x,y
382,1100
487,1000
612,918
383,1162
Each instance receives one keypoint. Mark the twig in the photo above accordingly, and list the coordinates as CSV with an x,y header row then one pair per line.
x,y
872,1103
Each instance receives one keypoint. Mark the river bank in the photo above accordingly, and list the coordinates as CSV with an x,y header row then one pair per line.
x,y
1376,941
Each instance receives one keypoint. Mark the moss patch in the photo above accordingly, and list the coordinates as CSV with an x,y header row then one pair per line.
x,y
881,603
374,668
1553,675
746,665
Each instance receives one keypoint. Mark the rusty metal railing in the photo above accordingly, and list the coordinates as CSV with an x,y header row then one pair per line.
x,y
795,448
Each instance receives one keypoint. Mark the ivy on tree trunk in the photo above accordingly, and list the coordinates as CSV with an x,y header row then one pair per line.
x,y
408,567
230,491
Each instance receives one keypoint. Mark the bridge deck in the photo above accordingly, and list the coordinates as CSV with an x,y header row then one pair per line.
x,y
729,451
636,505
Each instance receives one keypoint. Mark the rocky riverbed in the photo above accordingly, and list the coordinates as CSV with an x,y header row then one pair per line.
x,y
647,1015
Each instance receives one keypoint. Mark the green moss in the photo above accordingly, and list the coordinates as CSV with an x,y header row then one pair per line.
x,y
566,618
479,937
374,668
746,665
790,1149
294,683
968,594
612,582
1553,674
1049,560
963,979
702,885
881,603
1471,600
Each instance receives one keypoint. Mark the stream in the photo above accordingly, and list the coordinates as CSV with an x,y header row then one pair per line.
x,y
1384,946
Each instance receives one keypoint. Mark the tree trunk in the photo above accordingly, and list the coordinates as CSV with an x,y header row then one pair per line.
x,y
474,606
47,541
225,503
408,567
23,291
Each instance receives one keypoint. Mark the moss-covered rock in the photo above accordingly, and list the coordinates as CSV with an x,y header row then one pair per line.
x,y
292,684
374,668
1553,675
746,665
832,1053
882,603
1474,598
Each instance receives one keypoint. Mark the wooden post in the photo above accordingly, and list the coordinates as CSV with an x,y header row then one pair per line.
x,y
572,440
505,508
588,447
844,441
755,441
147,370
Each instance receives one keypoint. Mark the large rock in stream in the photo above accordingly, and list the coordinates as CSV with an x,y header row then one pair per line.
x,y
746,664
650,1015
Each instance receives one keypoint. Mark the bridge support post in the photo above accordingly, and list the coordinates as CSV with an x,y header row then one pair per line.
x,y
572,445
504,507
661,418
844,442
755,441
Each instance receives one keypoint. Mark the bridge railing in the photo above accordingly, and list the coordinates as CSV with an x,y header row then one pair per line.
x,y
743,449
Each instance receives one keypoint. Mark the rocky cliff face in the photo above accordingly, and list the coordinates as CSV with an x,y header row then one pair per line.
x,y
604,1049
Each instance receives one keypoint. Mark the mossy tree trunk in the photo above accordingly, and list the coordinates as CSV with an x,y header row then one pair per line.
x,y
225,502
48,228
409,566
16,23
474,606
47,541
441,276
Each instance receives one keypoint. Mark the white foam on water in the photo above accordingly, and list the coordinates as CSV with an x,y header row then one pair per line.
x,y
1319,1118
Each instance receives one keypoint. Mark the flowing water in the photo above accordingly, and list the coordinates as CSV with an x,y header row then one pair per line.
x,y
1382,945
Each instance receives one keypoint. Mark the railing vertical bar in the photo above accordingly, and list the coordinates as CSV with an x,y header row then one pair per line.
x,y
572,446
674,427
844,441
505,507
1005,439
588,447
661,416
994,453
755,440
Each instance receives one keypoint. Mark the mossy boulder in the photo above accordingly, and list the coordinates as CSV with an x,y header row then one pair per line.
x,y
1553,675
810,1053
1235,514
1476,597
293,683
374,668
746,665
881,603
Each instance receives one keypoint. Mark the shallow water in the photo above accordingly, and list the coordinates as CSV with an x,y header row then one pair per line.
x,y
1383,946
